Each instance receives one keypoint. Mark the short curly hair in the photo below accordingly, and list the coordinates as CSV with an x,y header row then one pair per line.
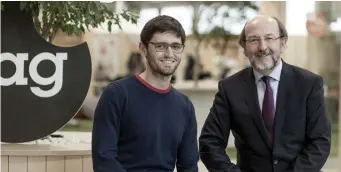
x,y
162,23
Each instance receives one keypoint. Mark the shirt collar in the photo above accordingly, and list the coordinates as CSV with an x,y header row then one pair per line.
x,y
275,74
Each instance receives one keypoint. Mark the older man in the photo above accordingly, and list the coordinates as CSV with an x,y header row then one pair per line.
x,y
275,111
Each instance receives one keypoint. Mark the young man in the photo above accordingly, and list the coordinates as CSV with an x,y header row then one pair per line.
x,y
275,110
141,122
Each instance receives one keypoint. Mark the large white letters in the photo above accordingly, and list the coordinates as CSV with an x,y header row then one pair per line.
x,y
19,79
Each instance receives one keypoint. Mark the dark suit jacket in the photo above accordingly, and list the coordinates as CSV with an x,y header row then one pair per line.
x,y
302,128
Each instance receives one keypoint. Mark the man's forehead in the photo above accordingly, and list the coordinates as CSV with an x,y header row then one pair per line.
x,y
168,37
262,23
259,19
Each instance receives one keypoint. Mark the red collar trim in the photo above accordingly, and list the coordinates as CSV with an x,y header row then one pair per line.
x,y
151,87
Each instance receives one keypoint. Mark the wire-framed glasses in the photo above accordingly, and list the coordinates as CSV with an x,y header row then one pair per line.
x,y
256,41
162,47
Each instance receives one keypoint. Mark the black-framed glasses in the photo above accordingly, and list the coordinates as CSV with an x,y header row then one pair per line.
x,y
162,47
268,40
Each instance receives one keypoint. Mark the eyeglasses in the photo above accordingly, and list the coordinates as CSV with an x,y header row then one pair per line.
x,y
162,47
268,40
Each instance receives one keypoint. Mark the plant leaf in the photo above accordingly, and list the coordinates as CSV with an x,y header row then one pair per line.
x,y
23,5
72,17
109,26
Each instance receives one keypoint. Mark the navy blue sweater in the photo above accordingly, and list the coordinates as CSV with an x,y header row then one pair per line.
x,y
140,128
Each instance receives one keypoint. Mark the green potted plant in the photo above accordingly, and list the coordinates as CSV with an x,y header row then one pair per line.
x,y
219,34
72,17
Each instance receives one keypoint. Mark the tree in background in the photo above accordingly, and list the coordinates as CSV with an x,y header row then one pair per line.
x,y
220,32
72,17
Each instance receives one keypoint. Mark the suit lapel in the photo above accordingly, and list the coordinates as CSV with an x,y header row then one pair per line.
x,y
251,98
284,87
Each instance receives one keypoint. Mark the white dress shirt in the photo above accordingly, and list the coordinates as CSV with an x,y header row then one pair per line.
x,y
274,81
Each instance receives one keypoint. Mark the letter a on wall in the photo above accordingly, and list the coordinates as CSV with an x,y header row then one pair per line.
x,y
42,85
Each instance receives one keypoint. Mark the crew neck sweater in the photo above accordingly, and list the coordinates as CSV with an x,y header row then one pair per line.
x,y
139,128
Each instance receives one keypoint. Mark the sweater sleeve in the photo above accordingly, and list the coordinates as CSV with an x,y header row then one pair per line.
x,y
106,128
188,156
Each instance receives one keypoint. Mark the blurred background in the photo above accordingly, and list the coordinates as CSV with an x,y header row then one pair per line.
x,y
211,51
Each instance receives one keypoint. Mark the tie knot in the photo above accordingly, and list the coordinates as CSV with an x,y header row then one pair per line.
x,y
266,79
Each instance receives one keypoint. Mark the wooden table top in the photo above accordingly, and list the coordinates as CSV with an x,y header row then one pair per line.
x,y
73,143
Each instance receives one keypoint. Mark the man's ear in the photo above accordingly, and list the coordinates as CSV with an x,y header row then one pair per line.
x,y
284,44
143,49
244,51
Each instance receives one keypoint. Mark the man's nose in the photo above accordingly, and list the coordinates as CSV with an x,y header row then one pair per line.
x,y
169,52
262,45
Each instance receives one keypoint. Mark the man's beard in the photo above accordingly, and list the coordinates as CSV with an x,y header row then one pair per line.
x,y
264,61
157,69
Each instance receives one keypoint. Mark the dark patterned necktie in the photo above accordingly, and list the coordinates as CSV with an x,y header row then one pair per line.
x,y
268,112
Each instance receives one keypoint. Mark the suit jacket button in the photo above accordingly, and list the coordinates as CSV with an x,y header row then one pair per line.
x,y
275,162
